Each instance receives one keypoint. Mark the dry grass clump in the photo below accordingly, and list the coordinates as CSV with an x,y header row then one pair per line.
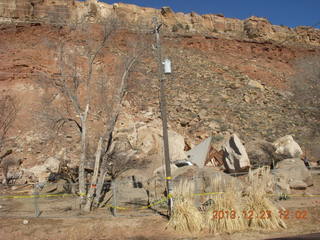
x,y
259,211
224,215
185,216
260,180
236,206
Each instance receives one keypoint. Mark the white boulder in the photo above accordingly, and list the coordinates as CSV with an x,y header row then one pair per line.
x,y
288,147
293,172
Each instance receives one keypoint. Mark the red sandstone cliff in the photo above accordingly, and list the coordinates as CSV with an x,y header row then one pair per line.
x,y
68,11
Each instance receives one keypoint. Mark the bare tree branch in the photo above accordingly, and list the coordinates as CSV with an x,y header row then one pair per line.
x,y
8,114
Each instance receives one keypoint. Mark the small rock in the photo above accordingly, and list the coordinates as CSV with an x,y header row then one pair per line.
x,y
203,114
214,125
234,86
255,84
246,98
25,221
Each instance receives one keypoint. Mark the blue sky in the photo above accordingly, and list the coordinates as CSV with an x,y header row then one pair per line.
x,y
291,13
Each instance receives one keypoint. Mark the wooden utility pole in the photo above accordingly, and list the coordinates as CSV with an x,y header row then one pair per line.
x,y
163,109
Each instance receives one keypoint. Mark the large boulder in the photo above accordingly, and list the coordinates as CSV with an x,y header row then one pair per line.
x,y
203,178
287,147
146,137
149,141
61,186
42,172
261,153
293,172
129,191
225,181
160,171
235,157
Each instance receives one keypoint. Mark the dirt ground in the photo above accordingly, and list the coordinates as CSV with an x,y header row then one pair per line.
x,y
60,220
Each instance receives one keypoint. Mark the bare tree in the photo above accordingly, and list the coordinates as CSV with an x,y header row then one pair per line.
x,y
83,90
114,163
8,114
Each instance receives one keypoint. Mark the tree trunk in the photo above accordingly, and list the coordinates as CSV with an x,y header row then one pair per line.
x,y
82,182
103,168
120,94
91,192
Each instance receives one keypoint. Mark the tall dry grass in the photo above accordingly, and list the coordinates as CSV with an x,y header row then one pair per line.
x,y
238,205
185,216
260,211
223,215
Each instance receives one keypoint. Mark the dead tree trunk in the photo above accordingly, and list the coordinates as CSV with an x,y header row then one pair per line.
x,y
82,182
94,180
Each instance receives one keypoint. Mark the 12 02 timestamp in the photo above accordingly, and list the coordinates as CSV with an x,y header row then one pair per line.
x,y
263,214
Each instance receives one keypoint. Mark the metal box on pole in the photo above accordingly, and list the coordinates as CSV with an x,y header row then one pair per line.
x,y
167,66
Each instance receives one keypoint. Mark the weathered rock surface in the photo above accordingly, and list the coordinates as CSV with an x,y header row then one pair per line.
x,y
61,12
130,192
147,137
282,185
199,154
261,153
41,172
61,186
286,146
202,177
160,171
235,155
294,173
255,84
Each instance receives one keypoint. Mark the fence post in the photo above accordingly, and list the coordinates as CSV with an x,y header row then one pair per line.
x,y
196,192
35,200
114,197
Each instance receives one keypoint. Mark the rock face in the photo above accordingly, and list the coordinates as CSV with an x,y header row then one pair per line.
x,y
286,146
235,155
294,173
61,12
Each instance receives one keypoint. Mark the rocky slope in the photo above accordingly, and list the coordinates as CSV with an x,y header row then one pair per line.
x,y
228,76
